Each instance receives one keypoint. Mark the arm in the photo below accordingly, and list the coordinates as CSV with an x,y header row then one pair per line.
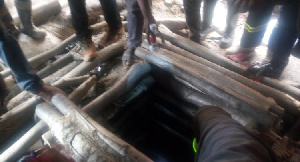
x,y
146,11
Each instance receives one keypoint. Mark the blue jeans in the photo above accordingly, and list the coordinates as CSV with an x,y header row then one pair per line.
x,y
13,56
135,24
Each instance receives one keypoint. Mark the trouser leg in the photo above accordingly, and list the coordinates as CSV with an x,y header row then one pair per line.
x,y
284,34
229,140
256,26
111,14
208,13
231,21
12,55
193,20
135,23
80,18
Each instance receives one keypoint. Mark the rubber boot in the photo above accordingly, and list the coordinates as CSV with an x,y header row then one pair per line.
x,y
8,21
27,27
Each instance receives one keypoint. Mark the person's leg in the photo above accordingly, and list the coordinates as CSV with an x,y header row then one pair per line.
x,y
284,34
83,33
7,19
113,19
135,24
231,21
25,76
12,55
24,8
111,14
254,31
230,141
208,13
193,20
256,26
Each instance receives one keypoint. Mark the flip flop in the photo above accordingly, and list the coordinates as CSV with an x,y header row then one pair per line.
x,y
127,58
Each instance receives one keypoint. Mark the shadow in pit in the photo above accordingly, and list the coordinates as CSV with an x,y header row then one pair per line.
x,y
154,121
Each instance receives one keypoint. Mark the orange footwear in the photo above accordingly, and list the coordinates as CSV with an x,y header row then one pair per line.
x,y
111,37
88,50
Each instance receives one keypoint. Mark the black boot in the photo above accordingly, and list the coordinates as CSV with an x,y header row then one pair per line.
x,y
27,26
266,69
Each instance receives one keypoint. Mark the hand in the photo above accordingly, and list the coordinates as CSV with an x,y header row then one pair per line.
x,y
148,31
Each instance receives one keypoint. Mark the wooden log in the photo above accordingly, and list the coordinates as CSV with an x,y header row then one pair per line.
x,y
135,73
205,53
14,119
71,82
103,55
173,24
182,89
291,90
65,106
287,102
23,96
42,12
222,81
56,65
81,91
60,73
8,123
19,148
49,69
103,26
48,139
209,82
45,56
200,51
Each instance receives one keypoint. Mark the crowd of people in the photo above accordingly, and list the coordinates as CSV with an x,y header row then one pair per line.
x,y
139,18
283,38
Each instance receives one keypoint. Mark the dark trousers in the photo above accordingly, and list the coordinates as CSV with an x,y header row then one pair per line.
x,y
193,18
284,34
220,138
13,56
256,25
135,23
80,17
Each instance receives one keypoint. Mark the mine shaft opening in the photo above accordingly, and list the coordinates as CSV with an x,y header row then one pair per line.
x,y
153,120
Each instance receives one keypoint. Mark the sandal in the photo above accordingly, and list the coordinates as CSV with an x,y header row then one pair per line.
x,y
127,58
